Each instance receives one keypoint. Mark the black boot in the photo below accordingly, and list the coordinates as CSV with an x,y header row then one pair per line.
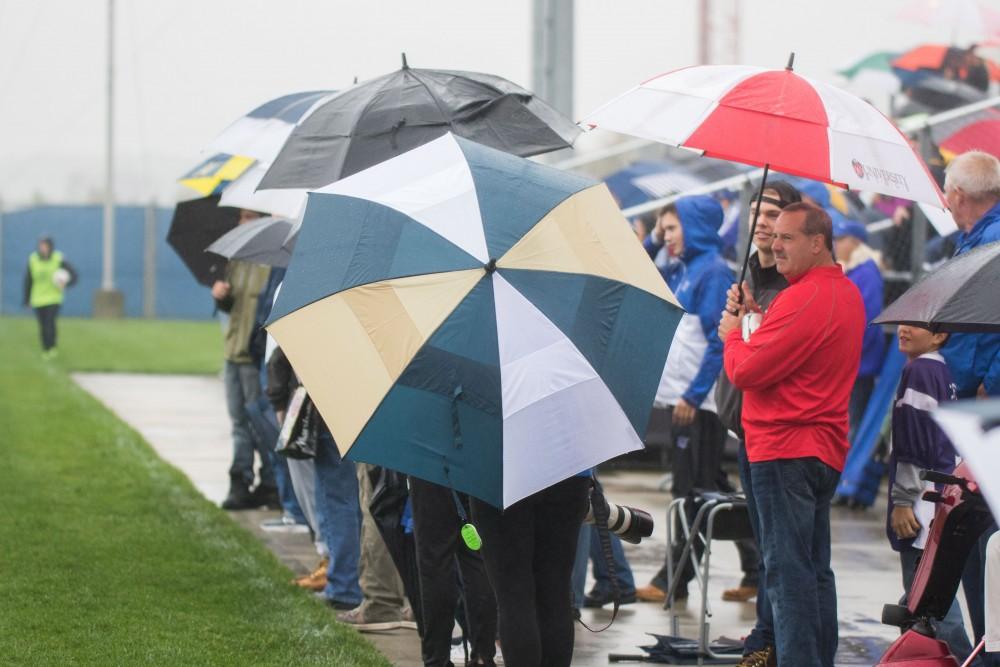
x,y
239,497
266,496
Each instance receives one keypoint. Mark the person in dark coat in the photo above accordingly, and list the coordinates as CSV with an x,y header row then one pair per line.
x,y
862,267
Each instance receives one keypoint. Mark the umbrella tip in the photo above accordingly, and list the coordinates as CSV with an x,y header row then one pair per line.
x,y
405,66
791,61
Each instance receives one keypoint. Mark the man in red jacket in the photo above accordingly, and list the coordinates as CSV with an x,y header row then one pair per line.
x,y
796,371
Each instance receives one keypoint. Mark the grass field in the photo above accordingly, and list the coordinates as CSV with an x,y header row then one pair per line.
x,y
147,346
110,557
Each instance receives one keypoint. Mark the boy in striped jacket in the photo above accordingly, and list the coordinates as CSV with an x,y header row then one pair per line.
x,y
918,443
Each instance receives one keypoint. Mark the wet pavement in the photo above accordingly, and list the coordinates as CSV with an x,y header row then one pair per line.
x,y
184,418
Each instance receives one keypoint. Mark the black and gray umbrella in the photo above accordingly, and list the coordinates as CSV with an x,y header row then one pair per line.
x,y
941,94
383,117
260,241
961,295
195,225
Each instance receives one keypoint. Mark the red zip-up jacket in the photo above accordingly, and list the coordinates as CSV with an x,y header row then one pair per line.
x,y
798,369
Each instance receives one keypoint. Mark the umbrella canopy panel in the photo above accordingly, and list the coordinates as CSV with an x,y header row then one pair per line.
x,y
212,175
475,319
196,225
259,241
983,135
262,132
384,117
243,193
961,295
796,125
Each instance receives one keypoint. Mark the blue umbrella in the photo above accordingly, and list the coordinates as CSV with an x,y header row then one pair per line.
x,y
475,319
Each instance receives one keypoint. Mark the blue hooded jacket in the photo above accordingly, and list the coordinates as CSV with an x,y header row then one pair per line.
x,y
974,359
861,269
699,279
868,279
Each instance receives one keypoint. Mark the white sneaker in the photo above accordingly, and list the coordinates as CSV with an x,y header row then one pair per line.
x,y
283,524
458,656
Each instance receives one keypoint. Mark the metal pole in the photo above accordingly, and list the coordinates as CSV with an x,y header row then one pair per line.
x,y
108,269
918,223
552,53
704,32
753,228
149,264
743,239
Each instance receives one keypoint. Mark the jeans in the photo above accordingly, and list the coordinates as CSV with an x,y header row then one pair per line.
x,y
793,505
974,585
303,475
265,427
243,386
339,516
951,628
762,634
588,548
436,526
46,316
529,550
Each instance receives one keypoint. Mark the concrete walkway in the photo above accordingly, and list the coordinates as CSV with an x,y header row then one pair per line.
x,y
184,419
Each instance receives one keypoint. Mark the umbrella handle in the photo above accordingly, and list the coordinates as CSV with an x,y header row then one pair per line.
x,y
753,228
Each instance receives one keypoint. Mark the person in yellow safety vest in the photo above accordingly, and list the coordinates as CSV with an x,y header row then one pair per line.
x,y
48,275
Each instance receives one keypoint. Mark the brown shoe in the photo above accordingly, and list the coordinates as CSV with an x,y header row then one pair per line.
x,y
740,594
315,580
650,593
763,658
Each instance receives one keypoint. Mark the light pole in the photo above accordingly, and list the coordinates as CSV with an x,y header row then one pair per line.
x,y
552,46
109,302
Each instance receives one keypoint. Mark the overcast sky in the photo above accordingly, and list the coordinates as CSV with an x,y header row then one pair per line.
x,y
186,68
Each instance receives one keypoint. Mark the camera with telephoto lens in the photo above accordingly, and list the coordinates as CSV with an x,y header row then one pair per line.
x,y
628,523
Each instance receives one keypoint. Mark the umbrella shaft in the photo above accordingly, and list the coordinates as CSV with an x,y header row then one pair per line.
x,y
753,229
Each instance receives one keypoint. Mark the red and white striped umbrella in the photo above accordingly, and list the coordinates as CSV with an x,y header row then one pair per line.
x,y
776,119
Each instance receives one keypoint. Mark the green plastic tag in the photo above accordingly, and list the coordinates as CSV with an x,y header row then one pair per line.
x,y
471,537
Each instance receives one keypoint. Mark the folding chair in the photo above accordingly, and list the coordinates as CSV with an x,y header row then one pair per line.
x,y
719,516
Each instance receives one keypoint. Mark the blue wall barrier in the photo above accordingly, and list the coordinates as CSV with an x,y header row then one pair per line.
x,y
77,232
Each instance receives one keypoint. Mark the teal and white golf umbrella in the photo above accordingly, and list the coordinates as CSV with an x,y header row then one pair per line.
x,y
475,319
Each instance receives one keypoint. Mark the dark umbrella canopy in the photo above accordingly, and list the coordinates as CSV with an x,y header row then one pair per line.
x,y
384,117
939,93
195,225
259,241
960,296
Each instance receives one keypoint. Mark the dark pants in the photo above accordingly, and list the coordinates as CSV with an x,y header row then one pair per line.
x,y
242,382
697,464
47,325
974,585
529,550
860,395
697,454
793,504
264,425
439,543
762,634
